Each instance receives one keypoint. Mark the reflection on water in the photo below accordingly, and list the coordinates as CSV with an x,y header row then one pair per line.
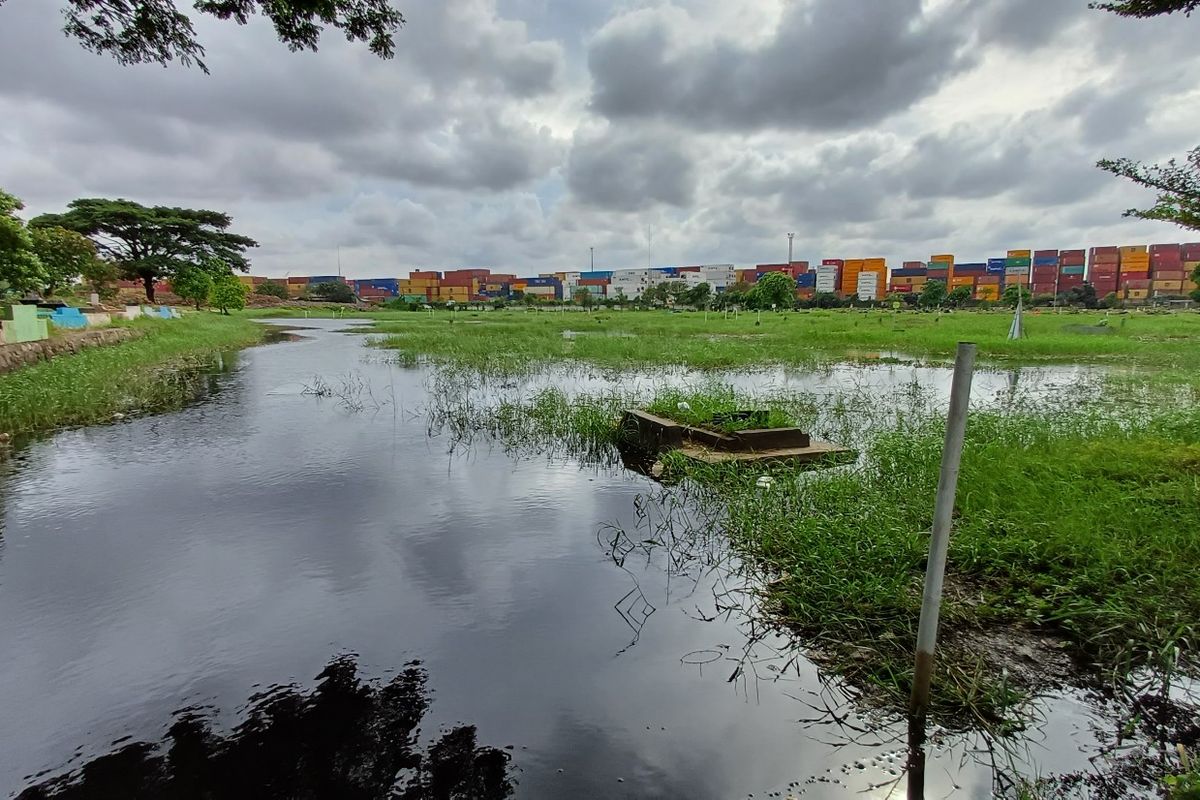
x,y
342,739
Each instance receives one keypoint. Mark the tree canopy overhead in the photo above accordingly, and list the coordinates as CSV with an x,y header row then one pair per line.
x,y
151,243
1178,187
1148,8
141,31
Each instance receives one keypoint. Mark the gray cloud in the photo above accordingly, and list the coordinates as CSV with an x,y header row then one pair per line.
x,y
629,170
831,64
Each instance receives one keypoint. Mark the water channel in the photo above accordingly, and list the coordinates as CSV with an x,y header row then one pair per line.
x,y
179,565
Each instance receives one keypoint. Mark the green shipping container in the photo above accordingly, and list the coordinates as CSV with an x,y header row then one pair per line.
x,y
1071,270
1018,262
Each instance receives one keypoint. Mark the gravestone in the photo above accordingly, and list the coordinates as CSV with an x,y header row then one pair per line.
x,y
21,324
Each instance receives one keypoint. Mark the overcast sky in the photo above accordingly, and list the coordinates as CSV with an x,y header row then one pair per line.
x,y
515,134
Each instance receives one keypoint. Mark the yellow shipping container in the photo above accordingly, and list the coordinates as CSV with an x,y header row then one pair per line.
x,y
854,263
1020,254
963,280
991,292
1190,286
1136,258
1137,294
1132,249
945,258
874,263
1167,286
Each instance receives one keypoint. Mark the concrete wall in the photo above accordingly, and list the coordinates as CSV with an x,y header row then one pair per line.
x,y
13,356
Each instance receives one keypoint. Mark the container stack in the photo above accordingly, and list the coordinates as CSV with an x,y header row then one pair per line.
x,y
850,272
544,287
1191,261
1044,276
868,286
941,268
829,276
996,266
1070,276
1103,273
421,282
1133,268
879,267
910,278
1166,270
806,285
984,286
297,285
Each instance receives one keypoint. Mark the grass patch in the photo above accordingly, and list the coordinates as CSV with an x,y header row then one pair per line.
x,y
502,342
712,408
158,370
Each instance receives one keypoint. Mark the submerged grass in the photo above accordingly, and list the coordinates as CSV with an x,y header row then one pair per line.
x,y
505,342
1074,553
157,370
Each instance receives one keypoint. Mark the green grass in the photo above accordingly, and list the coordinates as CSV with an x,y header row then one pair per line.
x,y
698,408
511,341
157,370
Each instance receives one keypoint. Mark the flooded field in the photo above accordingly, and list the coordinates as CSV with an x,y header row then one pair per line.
x,y
182,566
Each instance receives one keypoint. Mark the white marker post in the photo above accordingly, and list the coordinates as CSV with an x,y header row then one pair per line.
x,y
935,570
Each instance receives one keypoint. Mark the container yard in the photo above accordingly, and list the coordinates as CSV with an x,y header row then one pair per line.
x,y
1132,273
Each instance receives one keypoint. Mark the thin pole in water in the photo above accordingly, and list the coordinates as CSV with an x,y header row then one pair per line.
x,y
935,570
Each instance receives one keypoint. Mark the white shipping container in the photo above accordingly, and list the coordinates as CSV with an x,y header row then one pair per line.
x,y
868,286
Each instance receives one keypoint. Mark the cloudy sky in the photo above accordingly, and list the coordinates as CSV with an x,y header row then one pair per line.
x,y
515,134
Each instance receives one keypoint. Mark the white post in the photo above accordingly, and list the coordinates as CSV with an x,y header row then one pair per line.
x,y
931,602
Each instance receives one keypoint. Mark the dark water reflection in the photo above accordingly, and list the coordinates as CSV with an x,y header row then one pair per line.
x,y
188,559
342,739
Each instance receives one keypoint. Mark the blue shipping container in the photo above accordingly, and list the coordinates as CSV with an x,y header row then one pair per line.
x,y
543,282
996,262
908,273
806,280
1045,262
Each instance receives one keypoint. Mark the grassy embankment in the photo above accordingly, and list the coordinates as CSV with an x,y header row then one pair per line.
x,y
1076,516
154,371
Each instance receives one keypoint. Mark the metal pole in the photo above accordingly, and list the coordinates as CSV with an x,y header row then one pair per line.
x,y
592,257
931,602
790,237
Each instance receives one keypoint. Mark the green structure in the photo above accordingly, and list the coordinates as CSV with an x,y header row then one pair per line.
x,y
21,324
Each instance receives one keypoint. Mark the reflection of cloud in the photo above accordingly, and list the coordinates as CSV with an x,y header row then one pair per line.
x,y
343,739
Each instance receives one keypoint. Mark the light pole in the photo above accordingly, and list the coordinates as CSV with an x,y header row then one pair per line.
x,y
790,237
592,257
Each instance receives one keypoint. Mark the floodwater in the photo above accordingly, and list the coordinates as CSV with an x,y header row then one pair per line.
x,y
203,567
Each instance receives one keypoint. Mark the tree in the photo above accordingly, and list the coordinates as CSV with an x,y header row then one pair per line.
x,y
775,289
1178,187
193,284
1147,8
142,31
933,295
1012,292
333,292
1084,295
153,243
1111,300
272,289
64,255
100,275
826,300
582,297
958,296
698,296
228,292
20,270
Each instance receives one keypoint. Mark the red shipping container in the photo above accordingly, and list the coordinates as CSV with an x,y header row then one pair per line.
x,y
833,262
1045,254
987,280
1042,288
1136,275
1191,251
1106,258
1172,275
914,265
1073,261
1167,260
1103,269
1140,283
1071,253
1165,248
1097,251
